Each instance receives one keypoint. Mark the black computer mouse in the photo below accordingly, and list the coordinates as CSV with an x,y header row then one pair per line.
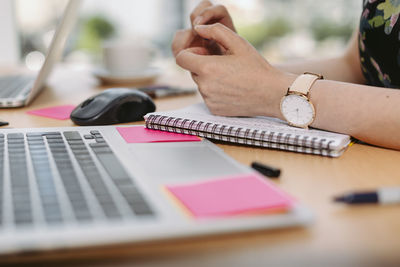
x,y
115,105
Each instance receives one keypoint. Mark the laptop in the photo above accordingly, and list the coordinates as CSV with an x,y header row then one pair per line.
x,y
73,187
20,90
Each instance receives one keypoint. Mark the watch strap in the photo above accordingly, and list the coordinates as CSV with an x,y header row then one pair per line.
x,y
303,83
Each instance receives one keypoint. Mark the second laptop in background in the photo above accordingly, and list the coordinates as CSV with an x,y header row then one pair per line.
x,y
19,90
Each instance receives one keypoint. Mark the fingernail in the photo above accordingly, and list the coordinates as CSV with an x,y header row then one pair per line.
x,y
197,20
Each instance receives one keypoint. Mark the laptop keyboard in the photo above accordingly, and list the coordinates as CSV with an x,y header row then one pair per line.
x,y
46,186
12,86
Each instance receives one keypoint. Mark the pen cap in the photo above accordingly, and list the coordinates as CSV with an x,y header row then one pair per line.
x,y
266,170
389,195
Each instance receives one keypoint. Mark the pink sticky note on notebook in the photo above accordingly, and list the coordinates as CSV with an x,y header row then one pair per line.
x,y
140,134
249,193
56,112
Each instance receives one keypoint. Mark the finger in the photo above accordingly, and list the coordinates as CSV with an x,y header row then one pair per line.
x,y
198,9
182,40
200,50
191,59
195,77
222,35
211,14
214,48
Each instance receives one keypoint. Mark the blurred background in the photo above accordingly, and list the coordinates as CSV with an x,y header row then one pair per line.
x,y
279,29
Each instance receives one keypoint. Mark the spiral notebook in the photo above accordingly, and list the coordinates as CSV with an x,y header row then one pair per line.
x,y
256,131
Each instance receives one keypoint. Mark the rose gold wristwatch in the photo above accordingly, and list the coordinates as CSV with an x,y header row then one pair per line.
x,y
296,106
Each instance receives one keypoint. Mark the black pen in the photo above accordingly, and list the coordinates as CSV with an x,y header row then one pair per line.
x,y
387,195
266,170
3,123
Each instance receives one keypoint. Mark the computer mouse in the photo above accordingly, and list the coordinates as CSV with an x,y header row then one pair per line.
x,y
114,105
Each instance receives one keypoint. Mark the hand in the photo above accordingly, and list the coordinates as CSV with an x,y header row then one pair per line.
x,y
238,83
207,13
204,13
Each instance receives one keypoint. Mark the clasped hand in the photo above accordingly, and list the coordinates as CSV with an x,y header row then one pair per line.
x,y
232,77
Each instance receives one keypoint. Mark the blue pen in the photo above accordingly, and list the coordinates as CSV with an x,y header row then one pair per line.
x,y
386,195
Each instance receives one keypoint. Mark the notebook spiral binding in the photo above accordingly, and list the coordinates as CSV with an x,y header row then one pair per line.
x,y
275,140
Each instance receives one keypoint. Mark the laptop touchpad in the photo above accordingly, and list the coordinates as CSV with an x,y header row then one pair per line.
x,y
183,160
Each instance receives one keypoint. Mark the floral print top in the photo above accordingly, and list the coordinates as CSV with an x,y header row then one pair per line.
x,y
379,42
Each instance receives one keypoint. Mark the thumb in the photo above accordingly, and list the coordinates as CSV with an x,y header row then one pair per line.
x,y
198,50
191,59
221,34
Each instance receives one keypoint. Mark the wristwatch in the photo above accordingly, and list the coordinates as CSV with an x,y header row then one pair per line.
x,y
296,106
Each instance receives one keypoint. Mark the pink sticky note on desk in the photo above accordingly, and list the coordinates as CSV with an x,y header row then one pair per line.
x,y
249,193
140,134
56,112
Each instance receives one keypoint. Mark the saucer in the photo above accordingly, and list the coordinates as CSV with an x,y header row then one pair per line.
x,y
147,76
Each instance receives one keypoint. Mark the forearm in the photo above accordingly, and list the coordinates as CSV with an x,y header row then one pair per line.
x,y
370,114
242,83
337,69
345,67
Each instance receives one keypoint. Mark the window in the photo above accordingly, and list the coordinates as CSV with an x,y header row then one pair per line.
x,y
280,29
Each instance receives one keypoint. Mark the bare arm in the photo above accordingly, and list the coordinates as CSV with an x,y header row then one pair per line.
x,y
242,83
345,68
371,114
368,113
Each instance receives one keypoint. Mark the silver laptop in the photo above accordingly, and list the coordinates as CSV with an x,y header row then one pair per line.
x,y
20,90
85,186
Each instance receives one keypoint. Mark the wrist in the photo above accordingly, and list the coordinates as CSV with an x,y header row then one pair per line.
x,y
296,106
281,81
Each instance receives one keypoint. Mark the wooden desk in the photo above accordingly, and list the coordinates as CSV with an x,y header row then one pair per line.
x,y
340,236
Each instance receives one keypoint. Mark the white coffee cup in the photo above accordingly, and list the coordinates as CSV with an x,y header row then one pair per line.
x,y
127,57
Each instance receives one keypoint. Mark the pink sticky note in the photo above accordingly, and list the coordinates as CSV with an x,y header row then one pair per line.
x,y
140,134
57,112
249,193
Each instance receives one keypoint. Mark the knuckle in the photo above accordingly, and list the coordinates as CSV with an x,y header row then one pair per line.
x,y
209,9
222,8
174,44
214,10
206,12
175,40
180,41
217,27
192,16
179,58
206,3
174,49
179,33
200,8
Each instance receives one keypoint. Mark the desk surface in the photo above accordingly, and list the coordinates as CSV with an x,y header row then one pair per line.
x,y
346,236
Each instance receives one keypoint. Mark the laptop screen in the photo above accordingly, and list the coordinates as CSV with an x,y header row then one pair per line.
x,y
56,46
9,52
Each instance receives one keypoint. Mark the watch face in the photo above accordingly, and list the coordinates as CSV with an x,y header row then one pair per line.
x,y
297,110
